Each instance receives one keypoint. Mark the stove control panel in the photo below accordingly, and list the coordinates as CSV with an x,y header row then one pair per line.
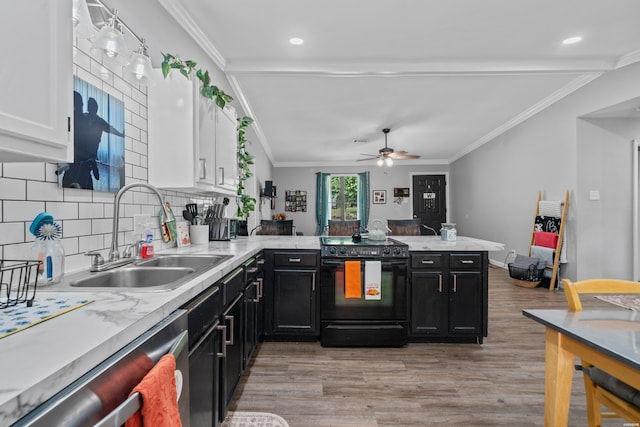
x,y
351,251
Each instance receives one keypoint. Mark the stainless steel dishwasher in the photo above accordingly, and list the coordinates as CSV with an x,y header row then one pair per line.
x,y
101,396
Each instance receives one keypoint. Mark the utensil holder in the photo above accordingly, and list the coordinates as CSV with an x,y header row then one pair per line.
x,y
199,234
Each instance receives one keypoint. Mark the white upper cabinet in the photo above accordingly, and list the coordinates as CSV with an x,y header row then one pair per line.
x,y
227,148
36,81
183,138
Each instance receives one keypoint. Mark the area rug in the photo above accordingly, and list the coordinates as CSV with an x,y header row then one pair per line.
x,y
254,419
630,302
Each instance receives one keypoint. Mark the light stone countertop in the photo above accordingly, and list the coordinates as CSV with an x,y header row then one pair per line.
x,y
40,361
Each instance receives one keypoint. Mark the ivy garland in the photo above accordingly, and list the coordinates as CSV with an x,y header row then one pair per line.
x,y
246,204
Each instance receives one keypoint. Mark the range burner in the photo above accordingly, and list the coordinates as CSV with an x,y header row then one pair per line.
x,y
345,247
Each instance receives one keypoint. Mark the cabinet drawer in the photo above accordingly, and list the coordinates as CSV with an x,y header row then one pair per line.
x,y
295,259
465,262
232,285
430,261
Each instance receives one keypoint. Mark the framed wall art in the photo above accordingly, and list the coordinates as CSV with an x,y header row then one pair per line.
x,y
295,201
379,196
98,127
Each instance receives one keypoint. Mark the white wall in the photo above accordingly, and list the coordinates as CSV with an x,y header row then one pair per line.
x,y
494,188
381,178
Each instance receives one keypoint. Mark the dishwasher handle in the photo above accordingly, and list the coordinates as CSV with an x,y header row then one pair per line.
x,y
129,407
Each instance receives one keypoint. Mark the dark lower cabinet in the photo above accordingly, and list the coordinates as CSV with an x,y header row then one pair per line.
x,y
232,364
291,292
253,306
448,296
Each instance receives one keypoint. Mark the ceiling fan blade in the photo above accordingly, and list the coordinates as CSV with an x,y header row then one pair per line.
x,y
373,156
403,155
364,160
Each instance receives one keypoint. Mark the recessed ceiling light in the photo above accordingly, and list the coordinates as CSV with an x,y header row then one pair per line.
x,y
572,40
296,41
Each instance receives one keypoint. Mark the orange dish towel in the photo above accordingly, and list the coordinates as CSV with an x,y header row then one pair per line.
x,y
352,282
159,397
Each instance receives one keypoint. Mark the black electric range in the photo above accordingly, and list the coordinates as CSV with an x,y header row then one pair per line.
x,y
346,247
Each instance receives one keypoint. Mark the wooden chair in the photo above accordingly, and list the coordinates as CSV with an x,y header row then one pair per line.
x,y
404,227
343,228
600,387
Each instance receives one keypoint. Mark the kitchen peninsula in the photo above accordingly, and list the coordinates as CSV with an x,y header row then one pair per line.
x,y
47,357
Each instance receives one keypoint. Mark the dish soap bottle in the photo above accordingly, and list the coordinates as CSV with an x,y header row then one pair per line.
x,y
47,248
147,247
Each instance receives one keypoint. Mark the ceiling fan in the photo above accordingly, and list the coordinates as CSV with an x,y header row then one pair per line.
x,y
387,155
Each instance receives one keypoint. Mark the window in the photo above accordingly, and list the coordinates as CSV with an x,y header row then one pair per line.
x,y
344,197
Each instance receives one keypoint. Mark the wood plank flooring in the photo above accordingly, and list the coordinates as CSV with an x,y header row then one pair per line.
x,y
498,383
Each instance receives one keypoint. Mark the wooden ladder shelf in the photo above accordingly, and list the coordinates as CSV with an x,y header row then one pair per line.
x,y
556,257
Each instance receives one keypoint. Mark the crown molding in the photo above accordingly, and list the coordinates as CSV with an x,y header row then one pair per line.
x,y
182,17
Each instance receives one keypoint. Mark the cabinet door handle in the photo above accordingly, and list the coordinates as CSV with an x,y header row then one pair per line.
x,y
252,270
294,260
256,283
261,261
220,176
440,283
203,168
466,261
231,328
455,283
313,282
427,261
223,328
260,282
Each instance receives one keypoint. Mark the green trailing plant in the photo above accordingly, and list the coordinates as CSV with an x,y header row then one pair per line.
x,y
186,68
246,204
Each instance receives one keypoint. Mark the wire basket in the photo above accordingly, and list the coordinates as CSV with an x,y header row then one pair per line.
x,y
526,277
18,280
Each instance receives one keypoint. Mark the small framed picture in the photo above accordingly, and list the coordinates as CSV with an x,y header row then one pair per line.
x,y
379,196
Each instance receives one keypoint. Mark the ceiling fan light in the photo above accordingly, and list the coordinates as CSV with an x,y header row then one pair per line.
x,y
388,161
380,161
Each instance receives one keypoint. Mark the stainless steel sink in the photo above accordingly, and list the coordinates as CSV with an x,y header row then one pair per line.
x,y
190,261
160,273
135,277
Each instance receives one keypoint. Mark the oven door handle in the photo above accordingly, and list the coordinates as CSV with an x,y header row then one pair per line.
x,y
384,263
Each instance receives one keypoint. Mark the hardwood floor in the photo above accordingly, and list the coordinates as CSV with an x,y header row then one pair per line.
x,y
498,383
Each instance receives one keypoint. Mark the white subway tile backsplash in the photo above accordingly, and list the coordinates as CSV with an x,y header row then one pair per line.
x,y
77,195
91,210
138,121
18,251
101,226
139,173
90,243
48,191
124,88
74,228
89,78
70,246
62,210
50,172
21,210
34,171
14,189
141,98
11,232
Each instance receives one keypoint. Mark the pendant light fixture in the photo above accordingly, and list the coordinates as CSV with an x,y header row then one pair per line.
x,y
81,19
109,43
139,67
109,46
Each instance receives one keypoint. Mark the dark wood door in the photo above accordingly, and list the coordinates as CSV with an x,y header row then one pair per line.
x,y
428,303
294,303
430,201
465,302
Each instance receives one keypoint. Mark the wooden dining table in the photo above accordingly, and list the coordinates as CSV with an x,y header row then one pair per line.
x,y
609,339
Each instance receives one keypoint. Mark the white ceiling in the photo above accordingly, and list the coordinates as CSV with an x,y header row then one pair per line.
x,y
445,76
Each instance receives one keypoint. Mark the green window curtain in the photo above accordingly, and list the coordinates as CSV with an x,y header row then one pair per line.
x,y
323,202
363,199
